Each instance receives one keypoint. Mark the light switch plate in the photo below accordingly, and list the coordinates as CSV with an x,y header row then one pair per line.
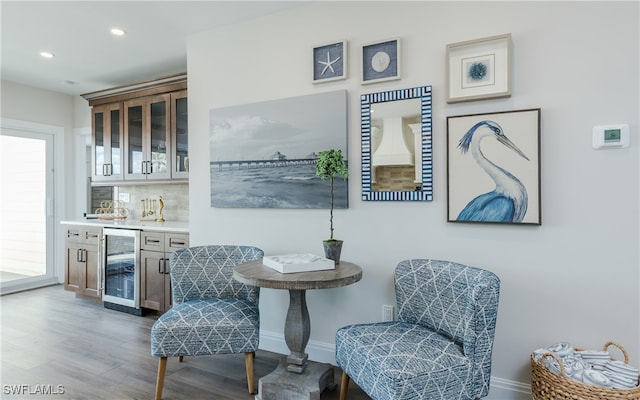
x,y
387,313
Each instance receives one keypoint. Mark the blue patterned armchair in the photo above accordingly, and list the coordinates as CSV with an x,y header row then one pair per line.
x,y
212,313
440,346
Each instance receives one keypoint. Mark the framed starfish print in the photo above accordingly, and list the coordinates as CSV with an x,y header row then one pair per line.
x,y
330,62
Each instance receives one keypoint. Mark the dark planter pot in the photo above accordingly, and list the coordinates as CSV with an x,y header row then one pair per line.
x,y
332,250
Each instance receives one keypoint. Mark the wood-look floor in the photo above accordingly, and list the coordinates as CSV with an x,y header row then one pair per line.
x,y
50,338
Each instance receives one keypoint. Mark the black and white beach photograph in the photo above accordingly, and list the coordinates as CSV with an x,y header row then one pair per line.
x,y
263,155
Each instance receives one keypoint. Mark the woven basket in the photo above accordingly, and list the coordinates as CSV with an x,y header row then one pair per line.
x,y
546,385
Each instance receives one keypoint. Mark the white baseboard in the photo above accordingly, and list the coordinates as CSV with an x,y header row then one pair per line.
x,y
27,284
505,389
501,389
317,351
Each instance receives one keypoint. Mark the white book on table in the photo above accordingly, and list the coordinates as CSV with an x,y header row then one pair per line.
x,y
289,263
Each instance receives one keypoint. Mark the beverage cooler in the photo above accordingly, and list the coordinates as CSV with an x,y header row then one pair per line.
x,y
121,272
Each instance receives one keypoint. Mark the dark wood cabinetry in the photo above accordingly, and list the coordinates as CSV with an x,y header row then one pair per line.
x,y
140,133
179,135
155,284
106,143
82,262
148,138
85,263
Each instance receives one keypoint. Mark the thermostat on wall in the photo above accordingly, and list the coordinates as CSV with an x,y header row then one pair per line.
x,y
611,136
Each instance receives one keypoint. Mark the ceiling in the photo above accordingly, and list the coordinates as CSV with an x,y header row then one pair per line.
x,y
88,58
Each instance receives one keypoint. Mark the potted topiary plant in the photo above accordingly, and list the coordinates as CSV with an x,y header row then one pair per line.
x,y
331,164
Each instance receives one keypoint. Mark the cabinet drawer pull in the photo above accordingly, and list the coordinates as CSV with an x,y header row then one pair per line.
x,y
74,234
80,255
173,242
160,266
166,270
151,241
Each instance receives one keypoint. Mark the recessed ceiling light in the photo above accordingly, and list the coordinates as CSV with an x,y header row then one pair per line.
x,y
118,32
46,54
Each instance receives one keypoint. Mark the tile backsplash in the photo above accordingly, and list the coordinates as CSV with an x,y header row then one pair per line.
x,y
175,196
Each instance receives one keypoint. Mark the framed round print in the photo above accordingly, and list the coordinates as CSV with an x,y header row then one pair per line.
x,y
381,61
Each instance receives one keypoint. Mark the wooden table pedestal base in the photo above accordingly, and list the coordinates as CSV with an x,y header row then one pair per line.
x,y
284,385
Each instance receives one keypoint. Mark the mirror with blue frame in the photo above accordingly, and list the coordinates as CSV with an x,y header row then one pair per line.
x,y
397,161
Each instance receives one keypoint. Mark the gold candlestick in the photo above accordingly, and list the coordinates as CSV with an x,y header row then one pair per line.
x,y
144,210
160,216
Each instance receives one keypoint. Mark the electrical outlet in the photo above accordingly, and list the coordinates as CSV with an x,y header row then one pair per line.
x,y
387,312
123,197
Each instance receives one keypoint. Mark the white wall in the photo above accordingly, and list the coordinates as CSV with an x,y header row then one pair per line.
x,y
574,278
28,104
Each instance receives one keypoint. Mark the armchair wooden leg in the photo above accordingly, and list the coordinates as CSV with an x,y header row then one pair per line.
x,y
344,386
248,362
162,367
180,358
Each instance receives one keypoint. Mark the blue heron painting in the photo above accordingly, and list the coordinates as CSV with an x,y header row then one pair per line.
x,y
508,201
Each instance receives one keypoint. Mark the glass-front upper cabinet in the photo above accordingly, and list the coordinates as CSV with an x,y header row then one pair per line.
x,y
147,138
179,135
106,157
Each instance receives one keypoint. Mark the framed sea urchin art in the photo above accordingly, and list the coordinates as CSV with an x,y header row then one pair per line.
x,y
479,69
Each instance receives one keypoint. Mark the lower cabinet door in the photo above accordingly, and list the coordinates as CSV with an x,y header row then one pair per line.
x,y
82,262
73,267
90,285
153,265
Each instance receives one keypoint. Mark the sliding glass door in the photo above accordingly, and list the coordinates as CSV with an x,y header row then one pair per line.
x,y
26,208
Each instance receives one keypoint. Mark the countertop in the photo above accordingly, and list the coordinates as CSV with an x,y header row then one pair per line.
x,y
168,226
